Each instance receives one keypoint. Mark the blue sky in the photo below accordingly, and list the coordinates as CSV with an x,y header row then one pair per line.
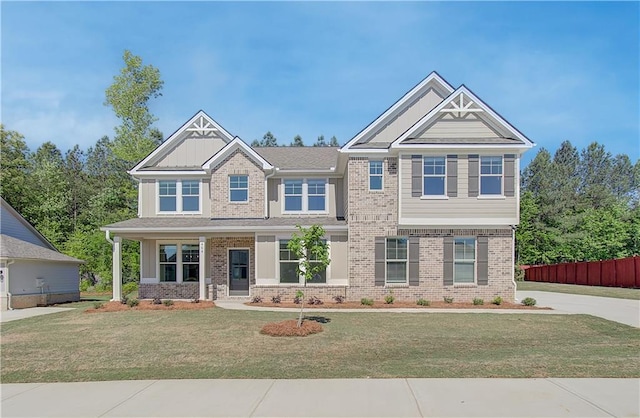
x,y
557,71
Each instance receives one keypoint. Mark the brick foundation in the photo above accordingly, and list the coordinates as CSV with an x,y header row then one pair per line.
x,y
42,299
169,290
324,293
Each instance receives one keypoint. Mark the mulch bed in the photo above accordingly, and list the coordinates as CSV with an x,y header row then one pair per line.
x,y
147,305
290,328
396,304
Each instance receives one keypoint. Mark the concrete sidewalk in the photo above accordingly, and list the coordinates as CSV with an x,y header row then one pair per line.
x,y
327,398
15,314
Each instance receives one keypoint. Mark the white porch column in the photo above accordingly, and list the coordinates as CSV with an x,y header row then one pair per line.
x,y
202,268
117,269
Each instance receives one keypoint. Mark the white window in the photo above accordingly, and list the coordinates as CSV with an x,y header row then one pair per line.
x,y
289,263
305,195
464,263
176,196
490,175
238,188
179,262
375,175
433,176
396,260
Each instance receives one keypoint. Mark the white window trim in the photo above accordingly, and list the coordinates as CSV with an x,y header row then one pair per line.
x,y
300,278
305,196
178,244
406,279
490,196
475,263
238,202
443,196
381,189
178,198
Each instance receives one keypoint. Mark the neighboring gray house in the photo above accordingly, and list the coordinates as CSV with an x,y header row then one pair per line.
x,y
423,202
32,271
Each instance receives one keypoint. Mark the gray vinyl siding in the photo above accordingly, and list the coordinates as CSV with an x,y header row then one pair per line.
x,y
13,227
472,209
192,152
58,277
334,196
447,127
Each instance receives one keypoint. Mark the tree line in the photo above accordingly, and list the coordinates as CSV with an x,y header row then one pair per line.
x,y
269,140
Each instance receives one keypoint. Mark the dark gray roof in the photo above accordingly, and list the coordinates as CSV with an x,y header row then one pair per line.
x,y
11,247
208,224
292,158
463,141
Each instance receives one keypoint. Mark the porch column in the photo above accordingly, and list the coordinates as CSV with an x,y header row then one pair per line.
x,y
117,269
202,268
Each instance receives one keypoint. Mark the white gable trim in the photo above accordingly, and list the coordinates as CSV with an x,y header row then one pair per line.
x,y
436,111
397,107
163,148
232,146
26,223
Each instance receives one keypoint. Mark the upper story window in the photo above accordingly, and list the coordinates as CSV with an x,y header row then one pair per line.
x,y
490,175
464,263
238,188
433,175
175,196
375,175
396,260
305,195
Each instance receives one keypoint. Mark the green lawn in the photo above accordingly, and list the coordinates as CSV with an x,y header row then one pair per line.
x,y
609,292
217,343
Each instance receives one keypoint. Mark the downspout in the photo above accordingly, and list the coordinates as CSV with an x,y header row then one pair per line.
x,y
106,235
266,191
9,307
513,261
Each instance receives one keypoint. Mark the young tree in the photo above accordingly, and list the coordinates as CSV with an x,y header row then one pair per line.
x,y
268,140
320,142
129,96
333,142
297,141
311,249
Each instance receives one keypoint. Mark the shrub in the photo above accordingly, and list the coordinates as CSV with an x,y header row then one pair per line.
x,y
168,302
129,287
338,298
497,300
478,301
389,299
529,302
276,299
423,302
448,299
85,284
156,301
366,301
518,274
124,300
97,305
315,301
297,300
256,299
196,300
133,302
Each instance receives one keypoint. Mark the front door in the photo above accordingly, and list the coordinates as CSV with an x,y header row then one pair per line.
x,y
238,272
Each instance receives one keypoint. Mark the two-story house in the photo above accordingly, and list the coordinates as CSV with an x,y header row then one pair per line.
x,y
423,201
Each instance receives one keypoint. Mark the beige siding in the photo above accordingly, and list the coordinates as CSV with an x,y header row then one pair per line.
x,y
338,197
455,210
147,259
447,127
404,121
339,253
334,191
273,188
266,257
148,199
237,164
192,152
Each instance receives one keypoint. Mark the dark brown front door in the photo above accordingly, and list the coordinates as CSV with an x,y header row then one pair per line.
x,y
238,272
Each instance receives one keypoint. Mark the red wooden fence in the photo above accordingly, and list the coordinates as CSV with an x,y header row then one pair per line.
x,y
623,272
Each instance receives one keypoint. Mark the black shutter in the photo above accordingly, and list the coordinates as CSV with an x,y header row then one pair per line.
x,y
452,175
483,261
509,175
473,176
380,261
416,175
414,261
448,261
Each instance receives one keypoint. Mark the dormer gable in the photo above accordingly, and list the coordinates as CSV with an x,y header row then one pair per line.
x,y
229,149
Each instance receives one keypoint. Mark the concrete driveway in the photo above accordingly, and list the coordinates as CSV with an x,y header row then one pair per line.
x,y
625,311
14,315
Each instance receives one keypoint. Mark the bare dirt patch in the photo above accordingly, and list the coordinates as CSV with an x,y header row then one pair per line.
x,y
290,328
396,304
147,305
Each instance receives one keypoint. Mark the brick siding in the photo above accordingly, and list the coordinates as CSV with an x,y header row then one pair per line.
x,y
169,290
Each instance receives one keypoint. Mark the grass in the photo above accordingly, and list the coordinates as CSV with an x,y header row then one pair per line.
x,y
217,343
608,292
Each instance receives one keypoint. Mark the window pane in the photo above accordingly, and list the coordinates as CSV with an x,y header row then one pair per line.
x,y
396,272
190,272
316,186
238,182
190,187
464,272
190,253
293,203
316,203
167,188
434,165
375,167
167,272
288,273
293,187
491,185
433,186
168,253
239,195
375,183
490,165
167,204
190,203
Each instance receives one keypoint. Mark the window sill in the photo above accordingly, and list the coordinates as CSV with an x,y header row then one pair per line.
x,y
304,213
467,285
396,285
491,197
246,202
427,197
179,213
376,190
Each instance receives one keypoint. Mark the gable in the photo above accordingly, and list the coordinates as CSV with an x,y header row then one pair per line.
x,y
12,224
231,148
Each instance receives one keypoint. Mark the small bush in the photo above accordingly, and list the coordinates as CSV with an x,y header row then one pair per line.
x,y
423,302
497,300
297,300
196,300
133,303
315,301
85,284
366,301
97,305
478,301
276,299
448,299
124,300
529,302
518,274
338,298
168,302
129,287
389,299
156,301
256,299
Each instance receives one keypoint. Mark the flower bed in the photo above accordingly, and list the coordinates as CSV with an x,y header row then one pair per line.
x,y
290,328
148,305
396,304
